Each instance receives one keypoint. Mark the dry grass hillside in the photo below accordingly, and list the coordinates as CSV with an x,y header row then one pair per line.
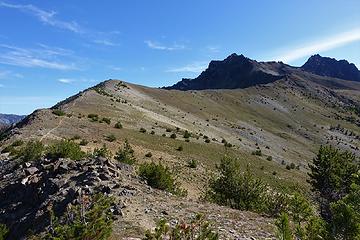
x,y
287,120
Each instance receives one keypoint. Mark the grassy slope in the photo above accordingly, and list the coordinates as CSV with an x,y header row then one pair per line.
x,y
277,118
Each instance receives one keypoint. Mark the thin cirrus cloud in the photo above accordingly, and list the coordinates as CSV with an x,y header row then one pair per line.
x,y
319,46
9,75
105,42
46,17
73,80
195,67
50,18
158,46
66,80
43,57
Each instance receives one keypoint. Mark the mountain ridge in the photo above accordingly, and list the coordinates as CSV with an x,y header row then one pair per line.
x,y
238,71
330,67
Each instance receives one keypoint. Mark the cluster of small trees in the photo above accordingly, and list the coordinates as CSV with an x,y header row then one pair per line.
x,y
35,150
92,219
335,179
160,177
242,190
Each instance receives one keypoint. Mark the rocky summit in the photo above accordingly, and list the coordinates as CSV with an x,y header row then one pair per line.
x,y
236,71
330,67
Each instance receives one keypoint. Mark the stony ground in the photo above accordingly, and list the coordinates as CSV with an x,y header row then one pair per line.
x,y
29,189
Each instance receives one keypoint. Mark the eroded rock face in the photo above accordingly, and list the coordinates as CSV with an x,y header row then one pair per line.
x,y
27,191
330,67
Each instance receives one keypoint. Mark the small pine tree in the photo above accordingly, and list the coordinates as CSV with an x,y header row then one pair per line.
x,y
65,149
125,154
118,125
283,227
33,150
331,176
160,177
90,219
4,231
102,152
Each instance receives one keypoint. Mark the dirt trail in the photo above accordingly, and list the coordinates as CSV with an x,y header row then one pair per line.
x,y
51,130
58,125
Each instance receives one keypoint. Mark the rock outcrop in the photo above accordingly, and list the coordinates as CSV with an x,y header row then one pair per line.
x,y
330,67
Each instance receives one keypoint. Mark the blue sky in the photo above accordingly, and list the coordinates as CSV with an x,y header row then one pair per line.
x,y
50,50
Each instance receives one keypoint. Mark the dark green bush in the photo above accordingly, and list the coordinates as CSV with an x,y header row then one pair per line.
x,y
197,229
192,163
152,132
173,136
4,231
180,148
269,158
187,134
76,137
83,142
110,138
257,152
242,190
149,154
58,112
9,149
102,152
93,117
17,143
91,219
31,151
142,130
65,149
125,154
160,177
106,120
292,165
118,125
207,140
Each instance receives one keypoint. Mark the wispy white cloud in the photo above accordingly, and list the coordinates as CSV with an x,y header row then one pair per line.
x,y
50,18
65,80
319,46
115,68
105,42
9,74
73,80
213,49
44,57
158,46
195,67
46,17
